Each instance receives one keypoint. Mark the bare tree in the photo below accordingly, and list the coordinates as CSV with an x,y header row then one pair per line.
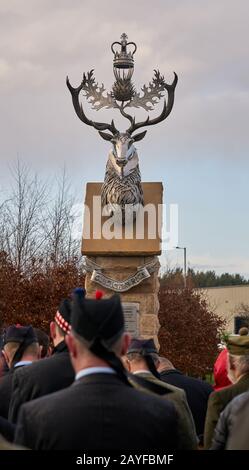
x,y
2,225
36,222
60,244
23,236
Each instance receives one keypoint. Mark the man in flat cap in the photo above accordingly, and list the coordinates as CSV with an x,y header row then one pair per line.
x,y
20,349
100,410
238,373
50,374
142,361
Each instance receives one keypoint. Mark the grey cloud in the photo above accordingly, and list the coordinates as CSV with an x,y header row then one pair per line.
x,y
43,41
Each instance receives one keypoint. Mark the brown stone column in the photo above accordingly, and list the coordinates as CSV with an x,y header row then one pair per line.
x,y
119,260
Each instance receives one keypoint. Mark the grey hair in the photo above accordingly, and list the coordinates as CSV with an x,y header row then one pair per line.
x,y
136,356
241,363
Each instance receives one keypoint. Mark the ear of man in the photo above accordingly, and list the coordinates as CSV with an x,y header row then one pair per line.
x,y
72,345
9,351
6,357
52,328
126,341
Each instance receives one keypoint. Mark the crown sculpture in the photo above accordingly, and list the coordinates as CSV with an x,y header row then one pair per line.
x,y
122,183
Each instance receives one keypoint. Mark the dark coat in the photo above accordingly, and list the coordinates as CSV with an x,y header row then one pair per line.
x,y
216,404
197,392
6,383
3,365
7,430
41,378
98,411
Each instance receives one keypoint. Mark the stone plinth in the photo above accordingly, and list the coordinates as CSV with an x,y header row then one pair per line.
x,y
119,259
93,242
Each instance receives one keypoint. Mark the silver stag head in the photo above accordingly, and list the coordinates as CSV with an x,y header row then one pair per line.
x,y
123,156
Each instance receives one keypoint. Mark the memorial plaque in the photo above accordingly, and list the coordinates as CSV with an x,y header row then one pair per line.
x,y
131,316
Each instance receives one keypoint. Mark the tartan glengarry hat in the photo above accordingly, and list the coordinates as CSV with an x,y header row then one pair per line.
x,y
238,345
20,334
98,318
63,316
142,346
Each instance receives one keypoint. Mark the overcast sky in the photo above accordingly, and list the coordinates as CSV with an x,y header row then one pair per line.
x,y
201,151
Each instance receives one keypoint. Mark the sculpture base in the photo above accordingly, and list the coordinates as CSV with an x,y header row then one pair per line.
x,y
148,243
140,303
128,266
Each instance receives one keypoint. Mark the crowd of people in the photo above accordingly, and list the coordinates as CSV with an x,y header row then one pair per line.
x,y
91,386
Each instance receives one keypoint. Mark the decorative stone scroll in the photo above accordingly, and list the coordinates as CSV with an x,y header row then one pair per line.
x,y
142,273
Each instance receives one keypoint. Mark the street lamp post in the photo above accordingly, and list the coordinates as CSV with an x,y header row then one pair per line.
x,y
184,263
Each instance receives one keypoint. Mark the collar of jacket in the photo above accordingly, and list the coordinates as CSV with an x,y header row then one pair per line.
x,y
148,382
61,347
171,371
243,378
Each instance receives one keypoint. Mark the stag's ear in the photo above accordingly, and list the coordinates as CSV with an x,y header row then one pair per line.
x,y
138,137
106,136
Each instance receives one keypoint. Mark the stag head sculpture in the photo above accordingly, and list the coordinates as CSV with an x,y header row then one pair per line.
x,y
122,183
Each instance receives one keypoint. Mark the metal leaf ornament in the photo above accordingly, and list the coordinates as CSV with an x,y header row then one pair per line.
x,y
94,93
151,93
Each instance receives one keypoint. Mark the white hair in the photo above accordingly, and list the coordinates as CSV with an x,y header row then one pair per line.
x,y
240,363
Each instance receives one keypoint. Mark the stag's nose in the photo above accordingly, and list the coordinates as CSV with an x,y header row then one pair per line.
x,y
121,162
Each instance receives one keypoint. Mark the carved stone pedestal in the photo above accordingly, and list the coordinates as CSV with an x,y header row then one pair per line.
x,y
145,294
127,266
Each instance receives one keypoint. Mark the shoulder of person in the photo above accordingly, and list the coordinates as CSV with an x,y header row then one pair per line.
x,y
238,401
217,396
179,391
36,407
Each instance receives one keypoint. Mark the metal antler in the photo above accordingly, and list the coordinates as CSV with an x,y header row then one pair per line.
x,y
100,126
167,108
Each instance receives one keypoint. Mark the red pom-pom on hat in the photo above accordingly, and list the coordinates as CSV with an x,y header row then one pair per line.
x,y
99,294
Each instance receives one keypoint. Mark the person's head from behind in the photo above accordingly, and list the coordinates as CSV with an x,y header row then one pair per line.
x,y
238,357
44,342
60,326
237,366
97,337
20,344
142,356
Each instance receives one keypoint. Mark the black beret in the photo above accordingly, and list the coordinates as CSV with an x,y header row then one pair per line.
x,y
20,334
142,346
98,318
